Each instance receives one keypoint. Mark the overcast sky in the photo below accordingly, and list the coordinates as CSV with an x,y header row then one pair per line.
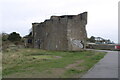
x,y
18,15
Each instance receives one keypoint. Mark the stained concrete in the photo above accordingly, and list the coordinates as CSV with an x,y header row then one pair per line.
x,y
67,32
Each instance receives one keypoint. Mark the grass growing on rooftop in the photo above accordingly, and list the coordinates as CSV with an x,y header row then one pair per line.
x,y
41,63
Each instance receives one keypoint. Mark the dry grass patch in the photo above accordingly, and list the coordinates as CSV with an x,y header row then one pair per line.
x,y
41,63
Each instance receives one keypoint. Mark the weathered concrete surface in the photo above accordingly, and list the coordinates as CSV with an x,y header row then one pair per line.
x,y
106,68
67,32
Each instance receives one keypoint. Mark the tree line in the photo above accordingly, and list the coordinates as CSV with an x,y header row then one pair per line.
x,y
11,37
93,39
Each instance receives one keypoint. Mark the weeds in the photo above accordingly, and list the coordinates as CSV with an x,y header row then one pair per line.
x,y
26,61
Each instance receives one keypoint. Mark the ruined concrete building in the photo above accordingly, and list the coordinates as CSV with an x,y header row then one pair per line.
x,y
67,33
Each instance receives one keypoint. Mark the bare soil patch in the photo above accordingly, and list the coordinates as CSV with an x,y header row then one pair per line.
x,y
74,65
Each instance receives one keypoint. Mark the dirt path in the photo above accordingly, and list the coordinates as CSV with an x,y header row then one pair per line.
x,y
74,65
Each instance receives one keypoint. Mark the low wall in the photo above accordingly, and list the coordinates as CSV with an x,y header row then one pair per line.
x,y
102,46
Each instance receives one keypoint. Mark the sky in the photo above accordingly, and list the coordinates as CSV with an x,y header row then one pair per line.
x,y
18,15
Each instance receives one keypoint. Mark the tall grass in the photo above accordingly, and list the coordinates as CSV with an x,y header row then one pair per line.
x,y
25,61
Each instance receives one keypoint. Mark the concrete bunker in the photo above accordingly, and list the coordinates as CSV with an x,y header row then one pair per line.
x,y
66,33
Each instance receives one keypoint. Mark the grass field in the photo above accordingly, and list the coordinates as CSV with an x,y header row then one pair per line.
x,y
36,63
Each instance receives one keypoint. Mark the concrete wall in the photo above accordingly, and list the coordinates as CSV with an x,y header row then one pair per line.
x,y
51,35
66,32
76,32
102,46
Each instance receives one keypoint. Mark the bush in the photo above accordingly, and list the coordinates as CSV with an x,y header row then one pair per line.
x,y
14,37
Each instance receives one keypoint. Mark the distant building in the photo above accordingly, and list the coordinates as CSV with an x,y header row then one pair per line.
x,y
99,40
66,33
